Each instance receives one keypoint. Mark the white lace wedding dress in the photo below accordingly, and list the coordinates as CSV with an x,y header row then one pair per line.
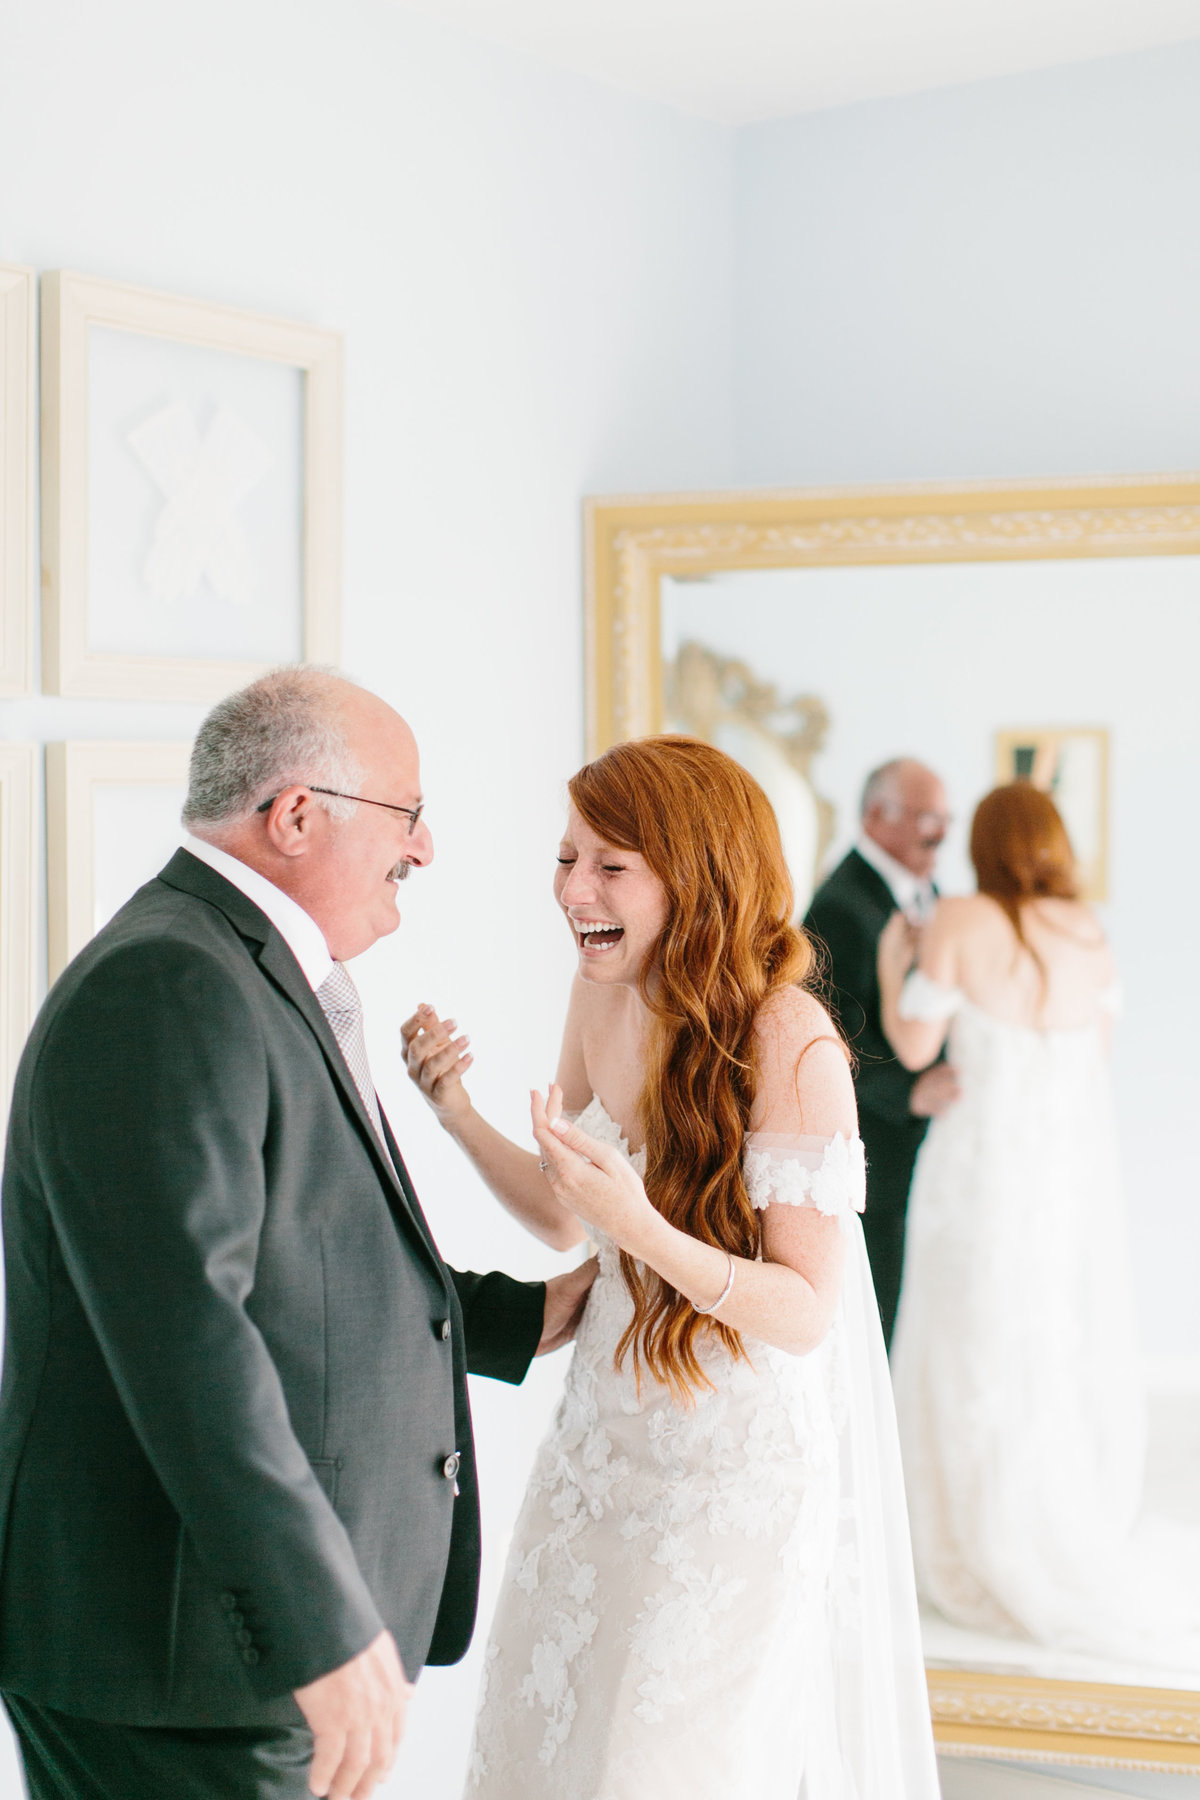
x,y
1016,1361
715,1603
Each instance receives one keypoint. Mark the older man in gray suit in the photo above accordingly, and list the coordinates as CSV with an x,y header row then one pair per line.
x,y
237,1489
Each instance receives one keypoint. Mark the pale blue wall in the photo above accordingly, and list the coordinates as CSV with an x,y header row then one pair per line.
x,y
991,280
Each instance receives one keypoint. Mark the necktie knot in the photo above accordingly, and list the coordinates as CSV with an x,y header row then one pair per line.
x,y
338,995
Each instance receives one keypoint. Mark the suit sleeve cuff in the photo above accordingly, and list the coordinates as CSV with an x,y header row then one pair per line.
x,y
502,1319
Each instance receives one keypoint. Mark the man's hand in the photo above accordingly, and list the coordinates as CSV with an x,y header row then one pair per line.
x,y
356,1715
934,1091
566,1297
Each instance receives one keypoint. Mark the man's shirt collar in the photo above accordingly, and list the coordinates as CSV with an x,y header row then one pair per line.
x,y
298,929
908,890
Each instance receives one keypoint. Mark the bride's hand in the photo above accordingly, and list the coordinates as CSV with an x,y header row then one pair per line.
x,y
899,943
437,1062
592,1180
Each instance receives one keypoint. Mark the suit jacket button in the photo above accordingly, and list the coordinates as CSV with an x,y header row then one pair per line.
x,y
250,1655
244,1638
452,1465
236,1620
444,1330
228,1601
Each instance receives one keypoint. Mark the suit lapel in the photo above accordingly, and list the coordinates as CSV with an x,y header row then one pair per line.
x,y
871,885
280,966
414,1205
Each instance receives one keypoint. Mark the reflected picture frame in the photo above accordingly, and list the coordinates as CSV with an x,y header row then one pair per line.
x,y
71,306
18,312
18,768
73,773
634,541
1071,764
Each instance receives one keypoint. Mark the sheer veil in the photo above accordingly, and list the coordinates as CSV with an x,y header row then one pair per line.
x,y
879,1744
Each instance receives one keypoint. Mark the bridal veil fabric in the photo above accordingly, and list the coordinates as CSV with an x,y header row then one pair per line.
x,y
716,1603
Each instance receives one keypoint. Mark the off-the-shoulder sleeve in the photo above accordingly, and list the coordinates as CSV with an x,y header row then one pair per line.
x,y
829,1174
923,998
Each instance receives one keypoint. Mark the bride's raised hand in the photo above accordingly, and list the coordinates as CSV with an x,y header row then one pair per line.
x,y
899,943
436,1061
592,1180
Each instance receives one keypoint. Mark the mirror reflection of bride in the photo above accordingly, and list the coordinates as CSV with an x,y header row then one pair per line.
x,y
1016,1362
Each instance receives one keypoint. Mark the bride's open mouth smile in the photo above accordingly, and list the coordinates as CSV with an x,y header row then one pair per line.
x,y
597,936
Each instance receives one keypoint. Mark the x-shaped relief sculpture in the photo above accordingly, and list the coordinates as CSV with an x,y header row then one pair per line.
x,y
203,479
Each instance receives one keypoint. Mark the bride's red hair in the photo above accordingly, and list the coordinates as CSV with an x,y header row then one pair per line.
x,y
1021,852
707,831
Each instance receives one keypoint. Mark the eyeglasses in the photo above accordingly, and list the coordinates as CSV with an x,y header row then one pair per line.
x,y
412,813
922,819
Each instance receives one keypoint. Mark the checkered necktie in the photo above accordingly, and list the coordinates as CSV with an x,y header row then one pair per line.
x,y
341,1005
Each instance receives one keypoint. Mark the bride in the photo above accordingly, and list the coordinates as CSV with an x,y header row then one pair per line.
x,y
709,1594
1016,1360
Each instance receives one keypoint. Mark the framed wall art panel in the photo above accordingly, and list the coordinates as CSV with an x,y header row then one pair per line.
x,y
17,986
191,492
112,821
16,477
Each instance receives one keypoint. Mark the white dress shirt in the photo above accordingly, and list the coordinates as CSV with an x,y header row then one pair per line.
x,y
912,895
298,929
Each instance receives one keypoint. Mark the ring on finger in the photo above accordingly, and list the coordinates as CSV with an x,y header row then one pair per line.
x,y
543,1165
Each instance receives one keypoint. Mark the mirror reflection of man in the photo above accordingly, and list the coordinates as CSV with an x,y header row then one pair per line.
x,y
904,820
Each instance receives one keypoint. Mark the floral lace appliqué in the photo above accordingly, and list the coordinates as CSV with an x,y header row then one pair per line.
x,y
834,1179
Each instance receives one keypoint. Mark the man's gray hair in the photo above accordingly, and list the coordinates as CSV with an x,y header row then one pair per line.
x,y
880,786
284,728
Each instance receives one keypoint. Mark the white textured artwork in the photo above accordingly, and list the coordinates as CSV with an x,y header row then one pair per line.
x,y
203,481
195,501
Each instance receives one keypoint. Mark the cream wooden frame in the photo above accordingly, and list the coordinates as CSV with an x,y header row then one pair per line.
x,y
73,770
17,945
631,543
70,305
17,405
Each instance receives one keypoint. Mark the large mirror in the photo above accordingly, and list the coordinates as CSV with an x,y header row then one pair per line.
x,y
1045,633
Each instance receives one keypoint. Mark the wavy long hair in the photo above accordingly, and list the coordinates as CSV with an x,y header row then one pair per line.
x,y
1021,852
707,831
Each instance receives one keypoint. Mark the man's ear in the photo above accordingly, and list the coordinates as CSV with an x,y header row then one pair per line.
x,y
291,820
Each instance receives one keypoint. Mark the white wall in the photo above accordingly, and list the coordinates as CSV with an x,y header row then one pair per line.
x,y
989,280
533,276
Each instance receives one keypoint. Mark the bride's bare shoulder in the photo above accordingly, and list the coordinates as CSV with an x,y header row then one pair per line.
x,y
958,915
804,1070
792,1018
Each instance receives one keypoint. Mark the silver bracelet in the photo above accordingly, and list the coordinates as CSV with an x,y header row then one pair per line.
x,y
725,1292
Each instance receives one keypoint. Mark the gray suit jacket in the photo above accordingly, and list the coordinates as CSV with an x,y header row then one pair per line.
x,y
234,1413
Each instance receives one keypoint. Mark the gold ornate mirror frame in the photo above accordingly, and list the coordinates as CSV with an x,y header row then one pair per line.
x,y
631,543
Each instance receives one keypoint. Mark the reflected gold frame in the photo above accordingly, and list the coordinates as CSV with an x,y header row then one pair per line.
x,y
1045,737
631,542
